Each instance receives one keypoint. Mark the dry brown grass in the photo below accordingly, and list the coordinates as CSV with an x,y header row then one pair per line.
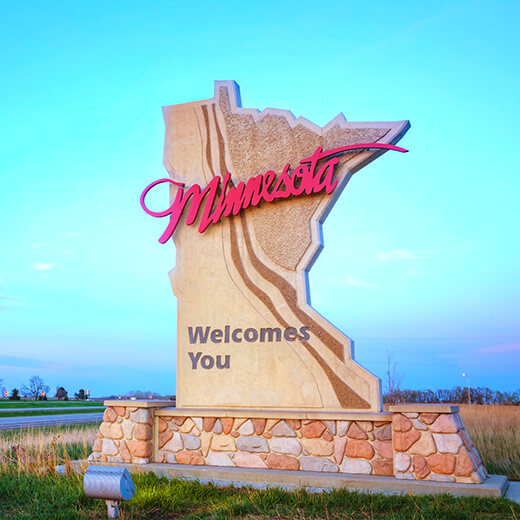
x,y
495,431
39,449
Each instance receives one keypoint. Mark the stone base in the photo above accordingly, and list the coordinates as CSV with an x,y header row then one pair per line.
x,y
493,486
410,442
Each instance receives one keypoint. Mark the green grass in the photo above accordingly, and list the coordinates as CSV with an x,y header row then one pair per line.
x,y
53,497
47,404
47,412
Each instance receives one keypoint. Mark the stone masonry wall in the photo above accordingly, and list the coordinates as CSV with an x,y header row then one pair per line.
x,y
292,444
422,445
435,446
125,435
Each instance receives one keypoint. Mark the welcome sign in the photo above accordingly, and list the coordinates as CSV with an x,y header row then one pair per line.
x,y
248,193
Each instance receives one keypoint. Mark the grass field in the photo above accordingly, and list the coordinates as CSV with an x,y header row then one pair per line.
x,y
29,488
495,431
31,413
4,404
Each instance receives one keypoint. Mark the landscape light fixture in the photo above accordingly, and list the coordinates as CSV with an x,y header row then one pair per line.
x,y
109,483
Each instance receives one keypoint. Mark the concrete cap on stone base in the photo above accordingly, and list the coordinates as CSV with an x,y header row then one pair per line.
x,y
424,408
138,403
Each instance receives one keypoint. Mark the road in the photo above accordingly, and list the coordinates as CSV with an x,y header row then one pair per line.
x,y
15,423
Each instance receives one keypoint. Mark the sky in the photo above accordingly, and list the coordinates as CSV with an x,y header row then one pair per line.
x,y
421,258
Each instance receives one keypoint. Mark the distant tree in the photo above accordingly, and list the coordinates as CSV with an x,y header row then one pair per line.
x,y
80,395
35,387
15,395
394,378
61,393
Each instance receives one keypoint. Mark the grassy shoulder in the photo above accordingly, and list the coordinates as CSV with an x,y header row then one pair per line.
x,y
5,404
48,496
31,413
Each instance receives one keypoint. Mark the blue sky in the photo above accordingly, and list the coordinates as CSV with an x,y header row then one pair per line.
x,y
421,251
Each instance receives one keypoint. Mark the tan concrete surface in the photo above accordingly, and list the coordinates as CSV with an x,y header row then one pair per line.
x,y
494,486
424,408
268,413
249,271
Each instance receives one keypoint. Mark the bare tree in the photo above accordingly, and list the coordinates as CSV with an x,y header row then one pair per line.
x,y
394,377
35,387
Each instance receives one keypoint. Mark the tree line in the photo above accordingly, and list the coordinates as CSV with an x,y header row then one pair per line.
x,y
38,390
458,394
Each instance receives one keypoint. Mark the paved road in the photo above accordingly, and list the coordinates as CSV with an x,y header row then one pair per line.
x,y
43,408
15,423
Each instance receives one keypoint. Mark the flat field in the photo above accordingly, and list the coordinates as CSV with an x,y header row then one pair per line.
x,y
27,403
30,489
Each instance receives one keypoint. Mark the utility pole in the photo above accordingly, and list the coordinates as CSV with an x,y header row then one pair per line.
x,y
469,390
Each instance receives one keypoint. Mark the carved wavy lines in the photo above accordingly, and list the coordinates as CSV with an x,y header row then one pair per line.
x,y
345,395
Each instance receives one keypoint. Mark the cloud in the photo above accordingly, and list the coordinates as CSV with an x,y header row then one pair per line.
x,y
13,361
41,266
399,254
354,282
499,349
38,245
73,234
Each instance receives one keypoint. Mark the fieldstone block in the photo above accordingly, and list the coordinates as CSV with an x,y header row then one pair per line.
x,y
255,444
282,429
109,415
247,428
318,447
218,426
198,423
442,478
384,449
223,443
209,423
384,433
227,424
141,449
191,442
445,423
428,418
205,443
404,441
464,466
366,426
331,426
164,437
448,442
402,461
189,457
359,466
442,463
187,425
120,410
162,425
401,423
174,444
141,415
295,424
143,432
383,467
339,449
355,432
418,425
405,476
420,467
359,449
313,430
287,445
218,458
276,461
424,446
318,464
258,426
124,452
342,428
248,460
